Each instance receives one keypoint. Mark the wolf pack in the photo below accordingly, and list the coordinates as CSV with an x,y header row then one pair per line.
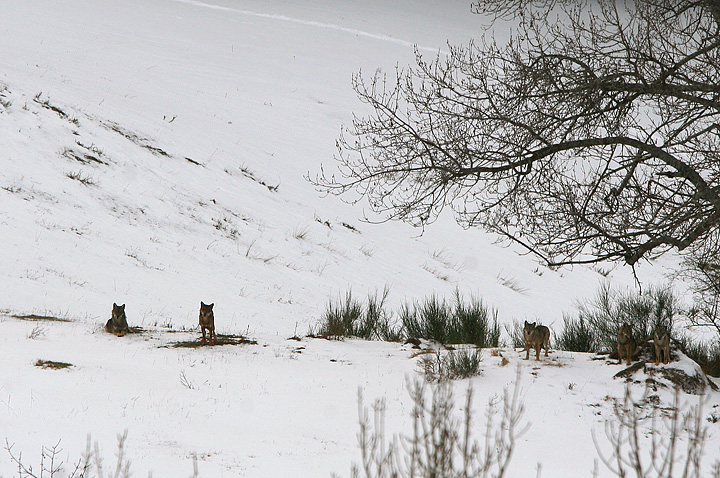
x,y
538,336
117,324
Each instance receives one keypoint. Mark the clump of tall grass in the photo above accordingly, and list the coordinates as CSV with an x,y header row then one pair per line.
x,y
452,322
447,322
576,336
349,317
515,332
452,365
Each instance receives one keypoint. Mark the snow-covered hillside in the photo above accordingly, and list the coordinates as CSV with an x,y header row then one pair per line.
x,y
200,122
154,153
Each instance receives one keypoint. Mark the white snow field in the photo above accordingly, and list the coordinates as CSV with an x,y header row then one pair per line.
x,y
153,153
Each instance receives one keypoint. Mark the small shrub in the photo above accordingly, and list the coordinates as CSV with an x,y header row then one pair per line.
x,y
300,233
45,103
576,336
89,465
706,354
349,318
676,440
477,324
251,175
226,225
440,444
341,318
428,320
515,332
377,321
610,309
458,322
452,365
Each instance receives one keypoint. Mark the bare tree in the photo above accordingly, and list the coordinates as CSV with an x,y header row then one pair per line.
x,y
591,135
702,268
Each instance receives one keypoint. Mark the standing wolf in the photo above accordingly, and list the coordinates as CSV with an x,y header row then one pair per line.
x,y
536,336
118,321
626,344
661,341
207,321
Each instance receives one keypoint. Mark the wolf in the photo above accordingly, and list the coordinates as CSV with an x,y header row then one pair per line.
x,y
661,340
118,321
207,321
626,344
536,336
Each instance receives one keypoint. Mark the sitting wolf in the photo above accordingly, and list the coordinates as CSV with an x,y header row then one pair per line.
x,y
118,322
536,336
626,344
661,340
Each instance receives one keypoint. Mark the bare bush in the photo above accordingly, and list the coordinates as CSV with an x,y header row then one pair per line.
x,y
440,445
89,465
674,446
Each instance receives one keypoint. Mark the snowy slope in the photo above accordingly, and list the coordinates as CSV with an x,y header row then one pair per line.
x,y
281,407
153,154
242,98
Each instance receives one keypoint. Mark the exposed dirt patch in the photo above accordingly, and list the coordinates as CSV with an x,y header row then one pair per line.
x,y
219,340
52,364
39,318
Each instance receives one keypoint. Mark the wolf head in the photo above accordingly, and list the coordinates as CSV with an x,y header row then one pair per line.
x,y
625,332
660,333
206,313
118,314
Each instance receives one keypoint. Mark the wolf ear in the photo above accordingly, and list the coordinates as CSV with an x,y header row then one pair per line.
x,y
122,307
114,305
202,304
211,305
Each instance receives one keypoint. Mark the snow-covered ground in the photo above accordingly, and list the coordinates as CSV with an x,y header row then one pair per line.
x,y
153,153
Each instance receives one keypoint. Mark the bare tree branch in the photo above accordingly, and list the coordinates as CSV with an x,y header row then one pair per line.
x,y
593,134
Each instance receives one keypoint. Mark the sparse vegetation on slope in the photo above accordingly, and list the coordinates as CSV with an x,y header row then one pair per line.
x,y
595,322
458,321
